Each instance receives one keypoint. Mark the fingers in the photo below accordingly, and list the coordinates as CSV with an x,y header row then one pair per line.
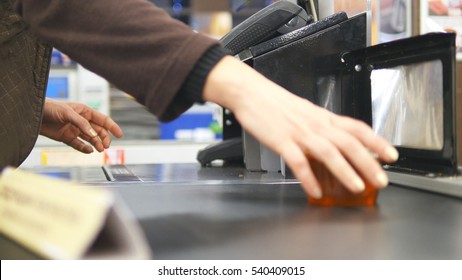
x,y
73,137
103,135
87,132
376,144
360,162
345,146
79,145
99,135
70,137
300,166
332,156
101,141
95,127
103,121
94,141
71,123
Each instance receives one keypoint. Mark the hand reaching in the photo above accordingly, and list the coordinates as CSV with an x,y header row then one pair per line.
x,y
70,123
293,127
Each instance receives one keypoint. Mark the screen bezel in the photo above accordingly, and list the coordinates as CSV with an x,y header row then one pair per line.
x,y
414,50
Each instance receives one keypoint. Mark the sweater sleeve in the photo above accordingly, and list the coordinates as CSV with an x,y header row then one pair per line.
x,y
133,44
191,91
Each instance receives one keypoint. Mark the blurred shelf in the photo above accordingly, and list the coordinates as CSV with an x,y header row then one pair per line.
x,y
51,153
136,122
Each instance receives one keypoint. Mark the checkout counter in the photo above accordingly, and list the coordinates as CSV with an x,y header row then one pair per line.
x,y
191,212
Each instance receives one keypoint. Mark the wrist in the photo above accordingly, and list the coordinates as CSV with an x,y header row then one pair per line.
x,y
229,83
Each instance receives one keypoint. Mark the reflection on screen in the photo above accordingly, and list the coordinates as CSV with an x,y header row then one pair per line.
x,y
407,105
328,91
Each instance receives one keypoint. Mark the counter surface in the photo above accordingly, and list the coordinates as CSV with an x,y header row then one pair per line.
x,y
188,212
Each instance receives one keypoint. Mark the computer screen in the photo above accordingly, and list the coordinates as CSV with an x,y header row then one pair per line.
x,y
407,105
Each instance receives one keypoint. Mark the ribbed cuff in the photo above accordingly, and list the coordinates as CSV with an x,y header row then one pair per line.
x,y
194,85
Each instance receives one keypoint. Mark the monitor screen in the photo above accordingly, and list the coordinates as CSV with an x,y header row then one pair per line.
x,y
407,105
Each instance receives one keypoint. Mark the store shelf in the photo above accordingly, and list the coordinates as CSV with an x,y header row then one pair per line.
x,y
51,153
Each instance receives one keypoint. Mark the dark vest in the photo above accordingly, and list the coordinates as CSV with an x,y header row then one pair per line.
x,y
24,67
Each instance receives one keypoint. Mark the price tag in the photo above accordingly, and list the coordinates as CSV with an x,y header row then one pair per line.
x,y
59,219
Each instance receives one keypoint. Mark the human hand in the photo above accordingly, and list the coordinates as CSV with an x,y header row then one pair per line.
x,y
293,127
70,123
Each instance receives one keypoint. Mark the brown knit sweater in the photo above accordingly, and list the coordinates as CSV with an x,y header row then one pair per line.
x,y
131,43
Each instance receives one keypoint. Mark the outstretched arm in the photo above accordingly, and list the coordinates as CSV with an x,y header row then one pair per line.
x,y
70,123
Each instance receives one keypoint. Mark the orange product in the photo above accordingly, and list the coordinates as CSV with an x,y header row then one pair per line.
x,y
335,193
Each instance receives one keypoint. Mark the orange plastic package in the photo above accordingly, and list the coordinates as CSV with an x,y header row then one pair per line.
x,y
335,194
